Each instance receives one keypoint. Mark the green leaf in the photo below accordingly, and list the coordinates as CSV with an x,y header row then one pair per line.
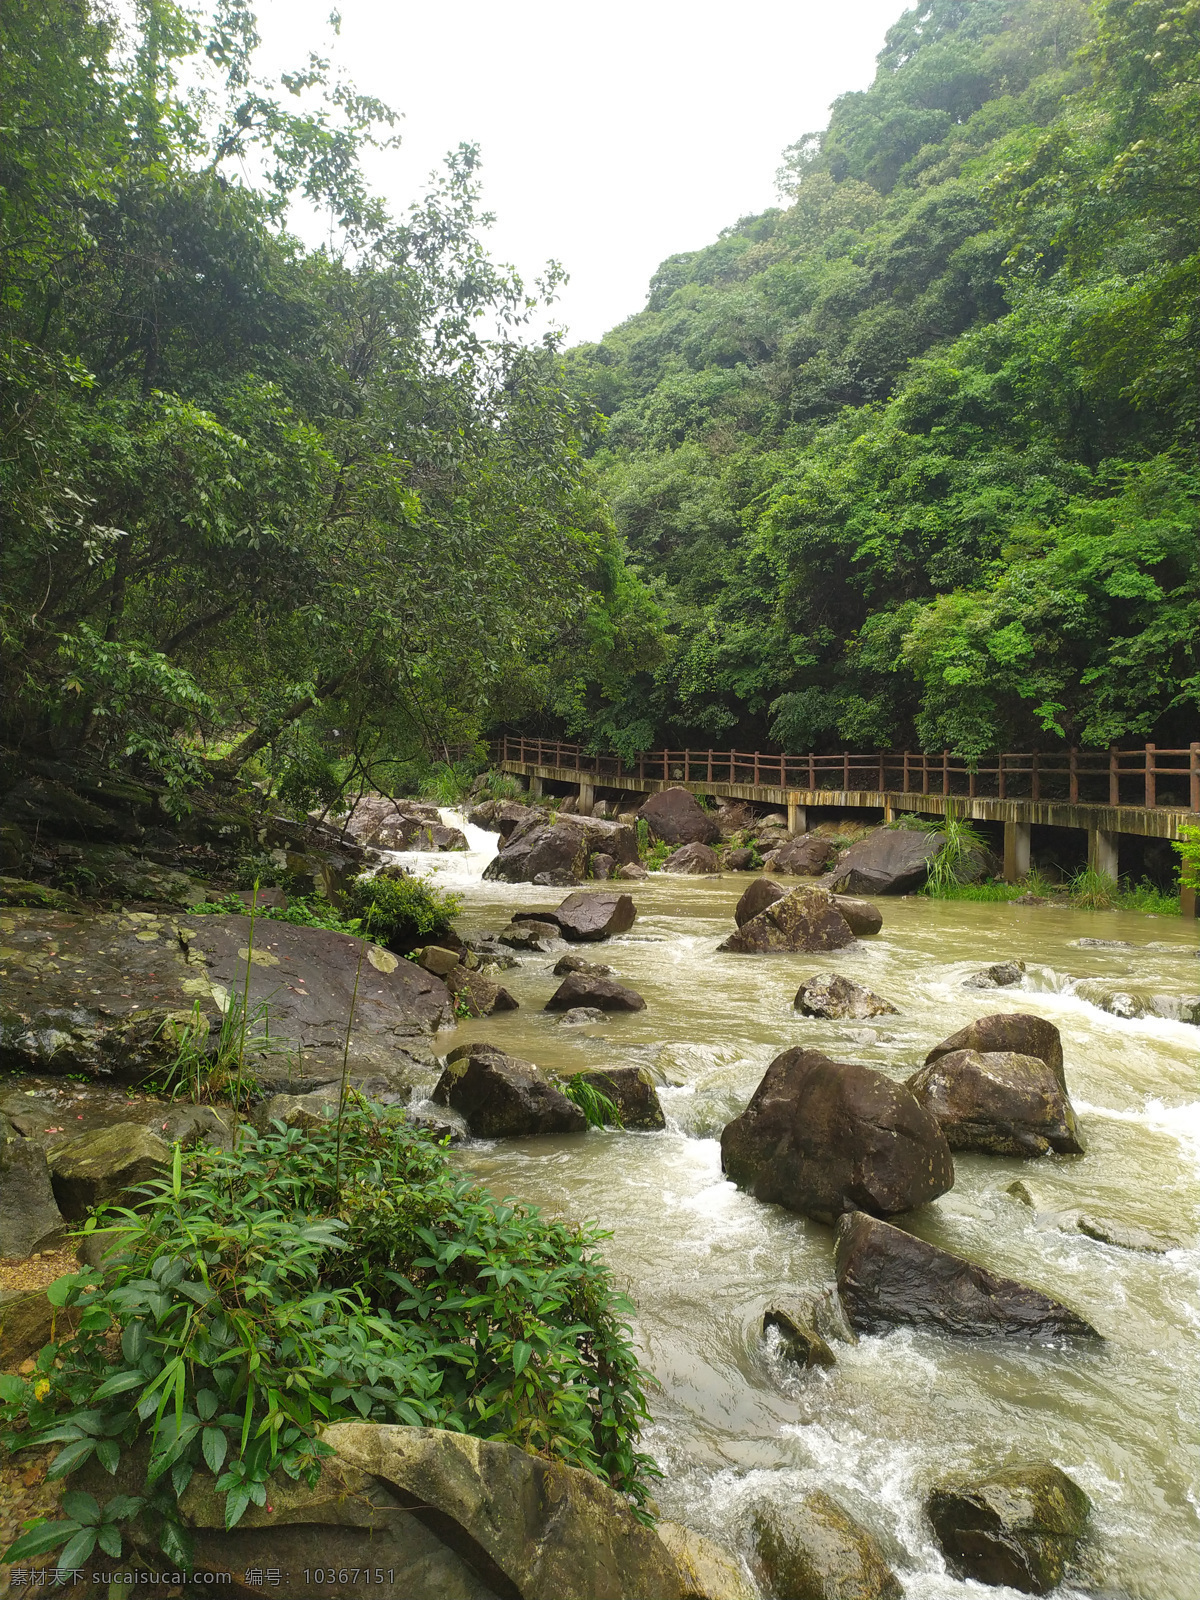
x,y
59,1291
215,1446
12,1388
108,1453
79,1548
108,1536
80,1505
521,1355
73,1456
46,1536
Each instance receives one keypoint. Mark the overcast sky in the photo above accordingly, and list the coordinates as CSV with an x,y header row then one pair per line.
x,y
613,135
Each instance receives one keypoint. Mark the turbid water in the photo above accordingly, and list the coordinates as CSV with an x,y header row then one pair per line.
x,y
732,1424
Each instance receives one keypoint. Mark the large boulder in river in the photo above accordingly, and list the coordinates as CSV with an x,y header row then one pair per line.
x,y
761,894
1018,1526
692,859
675,818
863,917
501,1097
806,857
541,852
887,1277
1009,1032
594,914
888,861
831,995
811,1549
504,816
1000,1103
29,1214
605,994
632,1091
823,1137
805,919
709,1572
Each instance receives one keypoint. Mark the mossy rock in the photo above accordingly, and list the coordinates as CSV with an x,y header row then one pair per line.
x,y
24,892
1018,1526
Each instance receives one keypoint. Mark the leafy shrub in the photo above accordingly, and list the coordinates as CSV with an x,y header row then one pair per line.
x,y
302,912
1188,847
447,784
308,1277
402,912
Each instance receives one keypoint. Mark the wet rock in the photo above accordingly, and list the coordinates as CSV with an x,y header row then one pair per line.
x,y
191,1125
761,894
805,919
800,1340
1001,975
632,1091
303,1111
108,870
739,861
533,1528
888,861
633,871
1008,1032
823,1137
574,963
606,994
693,860
1127,1004
674,817
601,866
1122,1235
29,1215
437,959
389,824
103,1164
504,816
887,1277
502,1097
811,1549
541,852
1103,944
863,917
1029,900
21,892
28,1322
595,914
530,935
1001,1103
806,857
478,994
833,996
1017,1526
580,1017
708,1571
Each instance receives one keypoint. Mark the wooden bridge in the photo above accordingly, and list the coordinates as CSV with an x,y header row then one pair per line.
x,y
1150,792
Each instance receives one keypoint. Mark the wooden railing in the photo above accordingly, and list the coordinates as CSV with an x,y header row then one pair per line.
x,y
1148,777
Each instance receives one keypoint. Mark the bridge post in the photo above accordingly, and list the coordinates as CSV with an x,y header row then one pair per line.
x,y
1187,900
587,799
1016,851
535,788
797,815
1102,852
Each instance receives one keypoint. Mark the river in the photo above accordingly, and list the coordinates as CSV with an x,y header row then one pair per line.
x,y
732,1425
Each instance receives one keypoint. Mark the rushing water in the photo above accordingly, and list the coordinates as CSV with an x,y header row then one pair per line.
x,y
702,1261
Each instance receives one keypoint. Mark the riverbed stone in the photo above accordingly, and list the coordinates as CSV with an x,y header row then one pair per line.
x,y
503,1097
632,1091
824,1137
805,919
761,894
863,917
831,995
708,1571
437,959
580,1017
1000,1103
812,1549
633,871
888,861
674,817
573,963
1000,975
1018,1525
529,935
601,866
800,1339
887,1277
104,1163
28,1322
1016,1032
557,852
477,994
504,816
29,1214
606,994
739,860
805,857
595,914
692,860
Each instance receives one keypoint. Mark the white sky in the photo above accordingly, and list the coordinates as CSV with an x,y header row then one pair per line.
x,y
612,135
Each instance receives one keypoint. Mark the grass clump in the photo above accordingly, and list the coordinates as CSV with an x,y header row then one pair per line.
x,y
309,1277
959,858
402,912
598,1109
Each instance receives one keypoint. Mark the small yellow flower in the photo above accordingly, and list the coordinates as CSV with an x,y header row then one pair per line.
x,y
41,1389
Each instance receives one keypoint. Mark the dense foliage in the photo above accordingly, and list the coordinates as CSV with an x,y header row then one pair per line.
x,y
320,508
913,458
339,1273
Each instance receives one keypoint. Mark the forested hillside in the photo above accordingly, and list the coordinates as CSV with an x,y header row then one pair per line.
x,y
912,459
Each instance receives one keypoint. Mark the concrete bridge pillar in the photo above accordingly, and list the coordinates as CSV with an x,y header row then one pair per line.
x,y
587,799
1016,851
1102,852
535,788
797,816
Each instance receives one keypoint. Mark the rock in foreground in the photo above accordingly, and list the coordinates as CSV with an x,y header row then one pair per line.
x,y
501,1097
693,860
674,817
805,919
886,1278
801,1339
831,995
606,994
761,894
813,1550
888,861
1000,975
1016,1031
594,914
1000,1103
29,1214
1017,1526
824,1137
708,1571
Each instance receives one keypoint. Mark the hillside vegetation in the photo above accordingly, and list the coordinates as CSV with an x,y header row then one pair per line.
x,y
912,459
